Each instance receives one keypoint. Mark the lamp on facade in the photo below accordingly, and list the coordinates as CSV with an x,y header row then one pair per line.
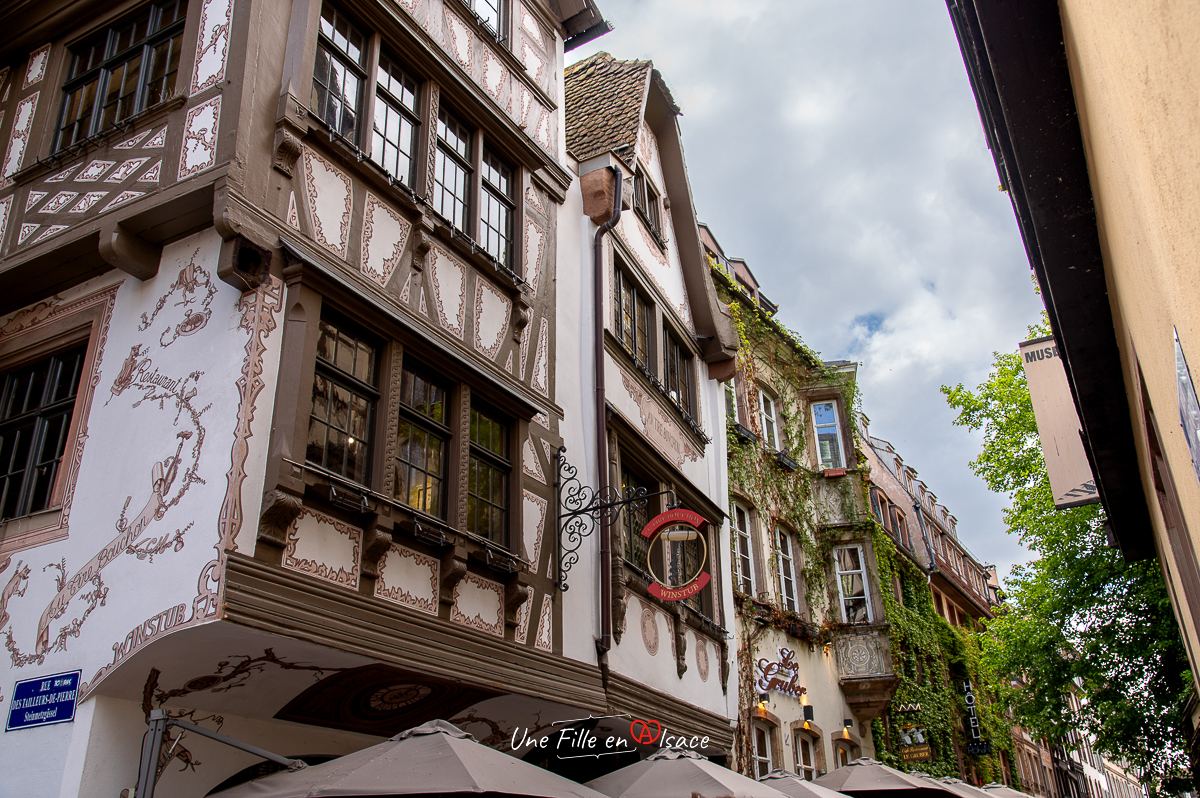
x,y
808,712
763,698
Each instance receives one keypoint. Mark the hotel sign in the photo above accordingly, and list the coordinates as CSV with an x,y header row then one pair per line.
x,y
684,551
1071,479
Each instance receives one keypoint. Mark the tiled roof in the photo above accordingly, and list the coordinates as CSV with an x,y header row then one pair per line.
x,y
604,105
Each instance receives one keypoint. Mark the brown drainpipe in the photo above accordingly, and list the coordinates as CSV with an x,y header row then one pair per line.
x,y
605,643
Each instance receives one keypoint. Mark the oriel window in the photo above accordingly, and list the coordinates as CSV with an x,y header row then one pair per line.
x,y
121,71
496,208
452,170
36,404
394,135
343,401
633,318
421,441
339,73
852,584
487,476
829,435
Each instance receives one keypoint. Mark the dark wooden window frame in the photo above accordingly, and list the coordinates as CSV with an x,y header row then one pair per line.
x,y
79,324
431,97
638,337
647,203
497,464
101,72
678,370
294,400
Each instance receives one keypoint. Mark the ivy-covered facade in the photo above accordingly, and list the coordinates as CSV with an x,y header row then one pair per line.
x,y
942,720
813,656
857,606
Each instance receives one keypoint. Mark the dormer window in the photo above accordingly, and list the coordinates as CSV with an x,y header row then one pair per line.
x,y
747,289
646,203
339,73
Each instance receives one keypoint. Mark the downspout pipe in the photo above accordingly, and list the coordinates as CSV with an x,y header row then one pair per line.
x,y
606,621
933,566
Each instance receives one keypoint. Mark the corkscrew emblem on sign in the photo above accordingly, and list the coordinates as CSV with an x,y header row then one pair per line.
x,y
679,573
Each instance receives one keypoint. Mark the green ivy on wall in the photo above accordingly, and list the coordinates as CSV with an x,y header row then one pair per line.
x,y
932,659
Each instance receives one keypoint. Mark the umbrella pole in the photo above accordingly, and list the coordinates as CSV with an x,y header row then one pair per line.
x,y
152,744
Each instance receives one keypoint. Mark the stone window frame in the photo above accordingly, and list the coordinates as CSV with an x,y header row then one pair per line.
x,y
815,736
865,569
770,732
308,296
783,533
838,425
52,328
737,535
431,99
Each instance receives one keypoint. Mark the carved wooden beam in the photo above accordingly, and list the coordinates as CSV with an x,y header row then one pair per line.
x,y
377,539
454,568
280,509
129,252
516,593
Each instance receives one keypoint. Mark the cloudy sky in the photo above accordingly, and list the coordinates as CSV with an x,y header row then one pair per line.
x,y
837,147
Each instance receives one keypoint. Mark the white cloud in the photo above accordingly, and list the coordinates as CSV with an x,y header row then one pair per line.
x,y
839,150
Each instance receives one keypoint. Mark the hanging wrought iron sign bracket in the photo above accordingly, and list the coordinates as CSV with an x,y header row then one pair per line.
x,y
582,510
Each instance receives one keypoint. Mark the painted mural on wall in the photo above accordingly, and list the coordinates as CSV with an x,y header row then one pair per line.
x,y
173,413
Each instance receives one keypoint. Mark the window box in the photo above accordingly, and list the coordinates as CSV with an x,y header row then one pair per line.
x,y
786,462
744,434
834,472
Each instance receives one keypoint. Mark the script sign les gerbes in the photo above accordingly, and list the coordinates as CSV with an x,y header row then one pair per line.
x,y
780,675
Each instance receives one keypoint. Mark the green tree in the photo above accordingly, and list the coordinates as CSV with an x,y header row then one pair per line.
x,y
1078,617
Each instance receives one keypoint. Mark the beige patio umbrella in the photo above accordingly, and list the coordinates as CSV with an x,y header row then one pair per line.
x,y
791,784
998,790
434,758
960,787
679,773
867,778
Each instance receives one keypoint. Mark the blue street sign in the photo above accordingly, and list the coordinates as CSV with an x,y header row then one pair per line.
x,y
43,701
